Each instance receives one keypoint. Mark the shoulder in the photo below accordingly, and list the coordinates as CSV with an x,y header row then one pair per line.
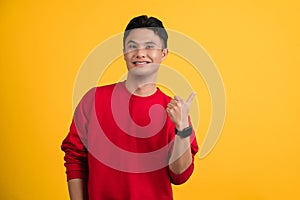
x,y
164,97
163,94
102,90
108,87
89,96
94,94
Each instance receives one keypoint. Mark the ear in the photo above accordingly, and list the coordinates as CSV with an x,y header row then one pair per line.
x,y
164,54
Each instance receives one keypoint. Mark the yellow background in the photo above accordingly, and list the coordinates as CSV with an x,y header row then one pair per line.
x,y
255,45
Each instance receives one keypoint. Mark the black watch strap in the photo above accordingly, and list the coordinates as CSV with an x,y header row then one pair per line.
x,y
185,132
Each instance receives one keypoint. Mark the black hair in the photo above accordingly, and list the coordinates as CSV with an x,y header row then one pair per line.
x,y
151,23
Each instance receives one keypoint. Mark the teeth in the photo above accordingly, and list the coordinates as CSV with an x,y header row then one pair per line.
x,y
140,62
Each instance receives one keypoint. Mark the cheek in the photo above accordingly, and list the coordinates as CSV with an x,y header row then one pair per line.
x,y
127,61
127,58
157,58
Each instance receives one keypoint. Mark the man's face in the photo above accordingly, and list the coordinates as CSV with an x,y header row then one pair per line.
x,y
143,51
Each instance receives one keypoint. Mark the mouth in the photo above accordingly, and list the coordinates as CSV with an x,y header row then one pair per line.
x,y
139,63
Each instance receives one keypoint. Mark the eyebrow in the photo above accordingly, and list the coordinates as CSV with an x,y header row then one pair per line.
x,y
150,42
131,41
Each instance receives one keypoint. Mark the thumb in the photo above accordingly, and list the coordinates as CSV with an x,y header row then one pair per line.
x,y
191,97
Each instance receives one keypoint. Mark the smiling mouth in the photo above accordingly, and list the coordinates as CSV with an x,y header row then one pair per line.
x,y
141,62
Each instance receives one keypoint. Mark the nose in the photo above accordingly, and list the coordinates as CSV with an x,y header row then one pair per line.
x,y
140,53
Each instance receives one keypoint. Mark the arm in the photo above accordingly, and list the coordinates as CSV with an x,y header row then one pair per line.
x,y
181,146
74,146
178,111
77,189
76,166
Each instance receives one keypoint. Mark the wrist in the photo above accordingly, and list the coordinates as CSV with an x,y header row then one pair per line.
x,y
184,133
182,125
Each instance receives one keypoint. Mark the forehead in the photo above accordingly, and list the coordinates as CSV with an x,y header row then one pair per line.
x,y
142,35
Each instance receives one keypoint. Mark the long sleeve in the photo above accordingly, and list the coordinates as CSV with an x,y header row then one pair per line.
x,y
181,178
75,144
75,155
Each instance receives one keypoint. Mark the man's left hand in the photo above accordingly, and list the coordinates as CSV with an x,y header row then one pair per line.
x,y
178,111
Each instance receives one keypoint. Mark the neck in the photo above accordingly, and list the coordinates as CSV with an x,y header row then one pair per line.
x,y
141,85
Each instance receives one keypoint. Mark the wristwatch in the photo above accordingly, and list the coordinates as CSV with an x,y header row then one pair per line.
x,y
185,132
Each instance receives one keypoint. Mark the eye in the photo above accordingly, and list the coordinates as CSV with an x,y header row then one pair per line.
x,y
150,47
132,46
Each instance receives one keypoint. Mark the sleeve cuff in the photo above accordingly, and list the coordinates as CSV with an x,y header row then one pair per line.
x,y
76,174
178,179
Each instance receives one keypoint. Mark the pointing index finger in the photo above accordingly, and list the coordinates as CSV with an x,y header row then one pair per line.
x,y
191,97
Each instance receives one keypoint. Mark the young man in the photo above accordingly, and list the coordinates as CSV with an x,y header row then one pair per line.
x,y
129,140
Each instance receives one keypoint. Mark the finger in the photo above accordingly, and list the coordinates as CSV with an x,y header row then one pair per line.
x,y
178,98
173,102
170,105
191,97
169,111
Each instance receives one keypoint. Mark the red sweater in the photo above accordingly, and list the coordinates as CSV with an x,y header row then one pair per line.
x,y
121,144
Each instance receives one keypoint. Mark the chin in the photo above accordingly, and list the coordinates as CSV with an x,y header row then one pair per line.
x,y
143,71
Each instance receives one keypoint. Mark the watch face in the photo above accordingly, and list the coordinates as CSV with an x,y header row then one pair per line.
x,y
185,132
